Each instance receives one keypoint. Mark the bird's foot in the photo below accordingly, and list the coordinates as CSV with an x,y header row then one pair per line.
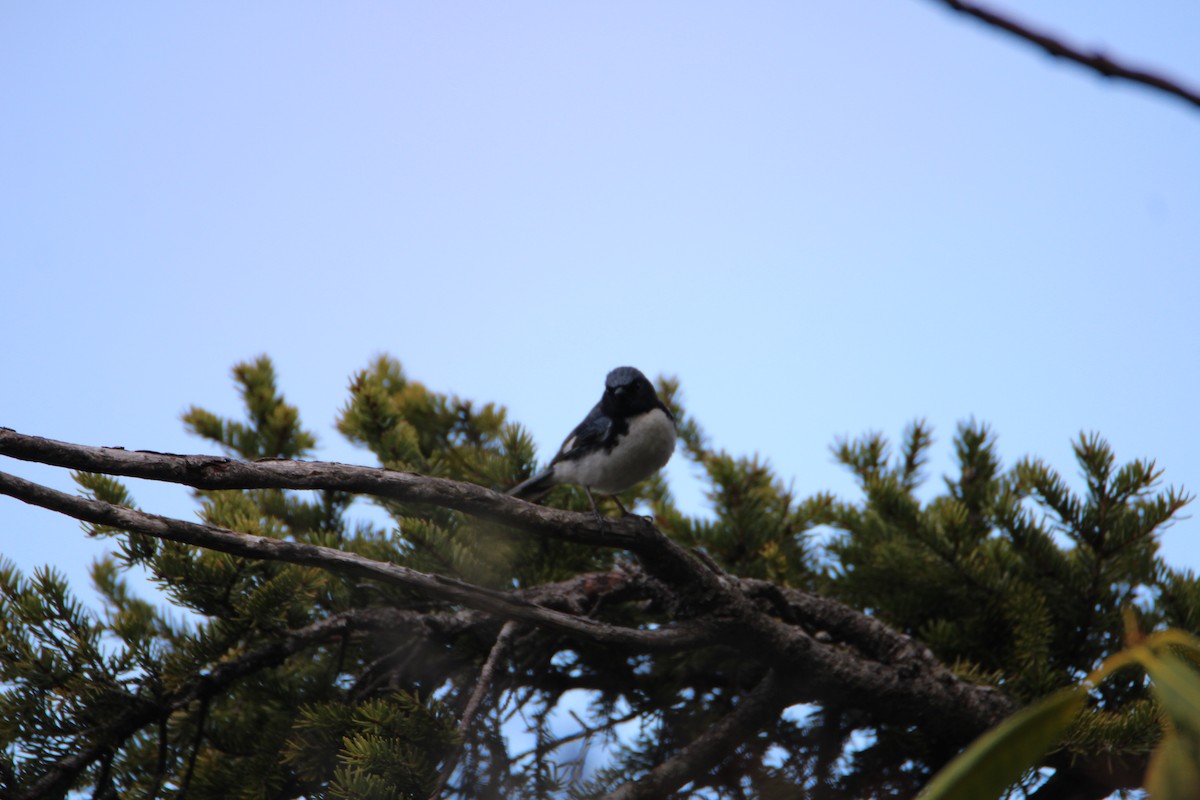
x,y
626,513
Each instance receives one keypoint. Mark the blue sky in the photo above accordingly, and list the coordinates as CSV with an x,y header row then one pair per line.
x,y
824,217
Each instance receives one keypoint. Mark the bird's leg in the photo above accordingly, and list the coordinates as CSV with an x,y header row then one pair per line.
x,y
595,510
624,512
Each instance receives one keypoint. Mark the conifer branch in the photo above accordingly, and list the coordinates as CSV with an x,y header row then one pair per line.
x,y
723,632
105,739
1095,61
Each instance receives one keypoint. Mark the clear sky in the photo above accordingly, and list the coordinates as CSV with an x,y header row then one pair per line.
x,y
824,217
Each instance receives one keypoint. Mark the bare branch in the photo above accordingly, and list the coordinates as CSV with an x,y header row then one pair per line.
x,y
1095,61
757,709
485,676
905,679
502,604
218,472
661,556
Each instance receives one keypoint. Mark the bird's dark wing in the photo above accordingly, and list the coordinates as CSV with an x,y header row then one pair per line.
x,y
588,436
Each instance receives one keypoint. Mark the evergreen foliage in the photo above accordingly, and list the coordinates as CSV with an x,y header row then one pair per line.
x,y
278,680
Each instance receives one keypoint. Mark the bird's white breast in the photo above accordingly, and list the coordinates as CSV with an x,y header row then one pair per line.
x,y
644,449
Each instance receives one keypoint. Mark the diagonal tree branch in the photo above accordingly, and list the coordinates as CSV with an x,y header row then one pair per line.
x,y
503,604
218,472
1095,61
663,557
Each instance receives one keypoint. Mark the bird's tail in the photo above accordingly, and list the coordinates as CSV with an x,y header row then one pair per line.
x,y
535,487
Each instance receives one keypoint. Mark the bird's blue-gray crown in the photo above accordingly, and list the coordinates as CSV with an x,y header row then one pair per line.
x,y
623,376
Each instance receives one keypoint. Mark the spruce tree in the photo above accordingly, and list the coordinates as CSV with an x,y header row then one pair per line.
x,y
475,646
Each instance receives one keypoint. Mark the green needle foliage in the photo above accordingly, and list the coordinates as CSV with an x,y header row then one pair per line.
x,y
261,679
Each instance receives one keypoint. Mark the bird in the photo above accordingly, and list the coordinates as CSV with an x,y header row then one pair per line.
x,y
627,437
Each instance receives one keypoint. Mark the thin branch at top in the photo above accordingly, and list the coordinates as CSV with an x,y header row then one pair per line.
x,y
1096,61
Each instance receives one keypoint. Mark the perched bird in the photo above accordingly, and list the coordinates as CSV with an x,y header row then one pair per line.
x,y
626,438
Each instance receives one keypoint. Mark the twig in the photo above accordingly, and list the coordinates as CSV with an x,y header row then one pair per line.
x,y
1095,61
762,705
104,788
160,771
481,689
197,741
485,676
584,732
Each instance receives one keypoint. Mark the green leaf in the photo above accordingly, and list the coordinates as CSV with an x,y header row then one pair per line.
x,y
1174,771
997,759
1177,686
